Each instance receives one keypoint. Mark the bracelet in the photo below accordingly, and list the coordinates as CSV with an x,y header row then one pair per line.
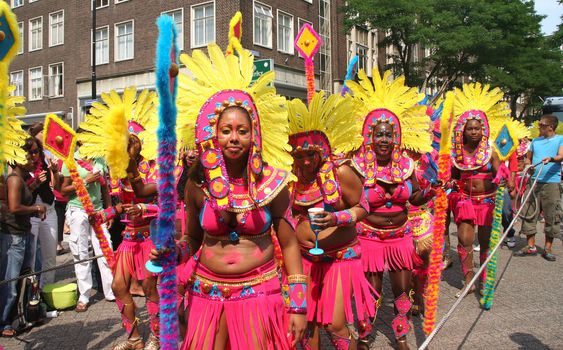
x,y
344,217
297,295
297,278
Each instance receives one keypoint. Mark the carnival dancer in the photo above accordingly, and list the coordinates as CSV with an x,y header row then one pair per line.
x,y
236,202
393,122
335,277
137,194
475,166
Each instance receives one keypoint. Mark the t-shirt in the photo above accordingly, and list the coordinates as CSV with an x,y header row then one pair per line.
x,y
94,189
547,147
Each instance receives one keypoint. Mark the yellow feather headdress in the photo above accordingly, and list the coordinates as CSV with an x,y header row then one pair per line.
x,y
13,136
383,93
107,128
477,102
333,116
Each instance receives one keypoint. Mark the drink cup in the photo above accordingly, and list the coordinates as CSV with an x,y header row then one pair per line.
x,y
313,213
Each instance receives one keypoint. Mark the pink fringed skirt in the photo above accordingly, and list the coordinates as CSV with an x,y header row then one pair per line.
x,y
386,249
326,273
251,303
133,252
477,209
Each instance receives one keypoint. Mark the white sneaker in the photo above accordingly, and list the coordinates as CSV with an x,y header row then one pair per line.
x,y
511,242
477,248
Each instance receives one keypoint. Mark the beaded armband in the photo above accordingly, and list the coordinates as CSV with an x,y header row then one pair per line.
x,y
344,217
149,209
297,294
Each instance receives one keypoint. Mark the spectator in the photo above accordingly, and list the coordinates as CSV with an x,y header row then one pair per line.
x,y
92,172
43,179
547,148
15,236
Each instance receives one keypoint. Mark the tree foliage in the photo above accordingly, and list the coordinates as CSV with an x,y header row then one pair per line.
x,y
495,41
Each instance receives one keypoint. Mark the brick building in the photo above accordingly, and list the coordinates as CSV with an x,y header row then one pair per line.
x,y
54,69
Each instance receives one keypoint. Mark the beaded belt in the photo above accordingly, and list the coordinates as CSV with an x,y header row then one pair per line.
x,y
369,231
138,235
350,252
486,198
224,289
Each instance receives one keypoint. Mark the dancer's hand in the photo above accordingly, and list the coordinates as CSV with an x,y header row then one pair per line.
x,y
323,220
297,327
132,210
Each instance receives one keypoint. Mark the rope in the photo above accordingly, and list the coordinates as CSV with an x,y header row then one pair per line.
x,y
477,275
50,269
522,185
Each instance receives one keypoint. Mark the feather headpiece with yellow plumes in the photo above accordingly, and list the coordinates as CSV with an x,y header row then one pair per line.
x,y
218,82
477,102
126,114
13,136
384,100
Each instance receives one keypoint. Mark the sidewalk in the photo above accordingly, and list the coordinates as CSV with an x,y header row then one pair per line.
x,y
526,312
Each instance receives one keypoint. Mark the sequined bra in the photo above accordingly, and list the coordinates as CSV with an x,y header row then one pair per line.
x,y
381,202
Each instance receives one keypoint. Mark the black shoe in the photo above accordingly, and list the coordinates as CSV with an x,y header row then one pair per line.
x,y
547,255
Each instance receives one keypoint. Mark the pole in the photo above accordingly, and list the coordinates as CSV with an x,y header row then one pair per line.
x,y
94,94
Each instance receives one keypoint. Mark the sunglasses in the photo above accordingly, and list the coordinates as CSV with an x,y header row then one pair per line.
x,y
34,151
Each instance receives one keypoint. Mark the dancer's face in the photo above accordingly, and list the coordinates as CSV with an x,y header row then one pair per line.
x,y
307,162
473,131
383,140
234,133
32,158
134,146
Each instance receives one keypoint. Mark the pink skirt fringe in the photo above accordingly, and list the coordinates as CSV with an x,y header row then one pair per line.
x,y
390,254
255,319
133,255
324,278
477,212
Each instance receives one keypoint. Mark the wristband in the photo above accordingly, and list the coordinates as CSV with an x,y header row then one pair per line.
x,y
297,293
344,217
297,278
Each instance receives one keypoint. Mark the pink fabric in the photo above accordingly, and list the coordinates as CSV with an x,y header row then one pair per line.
x,y
323,282
127,323
477,212
339,342
247,310
135,254
152,309
400,323
463,255
482,257
252,222
388,254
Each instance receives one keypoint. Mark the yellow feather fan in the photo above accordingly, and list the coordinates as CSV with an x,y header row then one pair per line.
x,y
107,128
213,73
13,136
334,116
393,95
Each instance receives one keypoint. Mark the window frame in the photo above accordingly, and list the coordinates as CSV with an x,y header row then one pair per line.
x,y
22,35
30,34
30,84
181,39
291,50
119,1
51,28
192,24
269,44
100,7
115,41
22,82
93,44
15,7
62,64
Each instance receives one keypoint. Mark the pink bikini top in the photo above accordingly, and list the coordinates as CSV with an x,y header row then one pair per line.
x,y
251,222
381,202
482,173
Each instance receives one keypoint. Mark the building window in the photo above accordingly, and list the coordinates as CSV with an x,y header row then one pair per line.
x,y
16,79
362,52
102,3
35,83
16,3
285,33
56,80
124,41
20,26
263,25
203,24
301,22
178,18
102,45
56,28
36,33
120,1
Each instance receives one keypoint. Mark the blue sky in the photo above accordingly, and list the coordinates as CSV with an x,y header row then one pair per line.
x,y
553,10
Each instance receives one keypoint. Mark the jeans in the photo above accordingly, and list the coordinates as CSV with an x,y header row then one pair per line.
x,y
507,214
15,255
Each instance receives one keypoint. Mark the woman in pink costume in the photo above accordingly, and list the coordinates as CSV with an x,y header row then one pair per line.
x,y
236,202
335,277
474,166
137,195
393,122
